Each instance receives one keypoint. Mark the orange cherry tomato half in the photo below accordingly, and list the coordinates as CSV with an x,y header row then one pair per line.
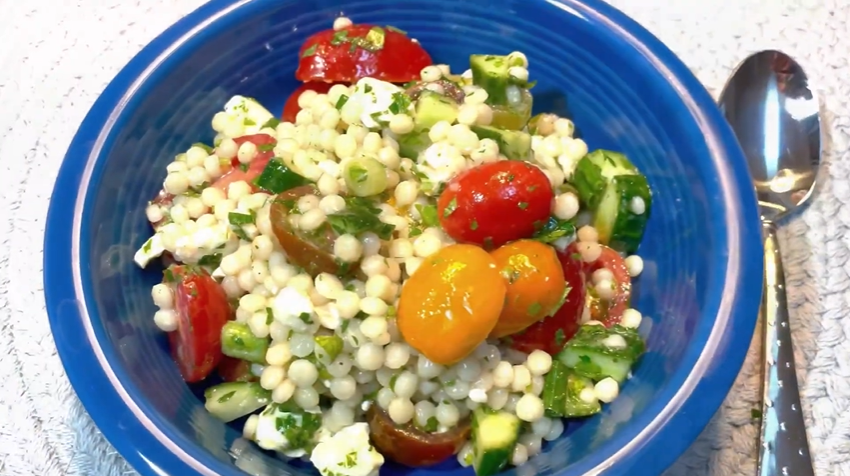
x,y
451,303
535,284
202,310
553,332
291,108
361,51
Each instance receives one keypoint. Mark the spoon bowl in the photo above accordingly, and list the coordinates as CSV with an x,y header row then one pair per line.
x,y
774,115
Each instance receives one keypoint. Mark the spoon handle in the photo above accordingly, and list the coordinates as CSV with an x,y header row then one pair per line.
x,y
784,450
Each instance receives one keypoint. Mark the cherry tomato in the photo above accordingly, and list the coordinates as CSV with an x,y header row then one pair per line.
x,y
361,51
611,310
551,333
265,143
535,284
202,310
411,446
291,108
313,250
236,370
495,203
451,303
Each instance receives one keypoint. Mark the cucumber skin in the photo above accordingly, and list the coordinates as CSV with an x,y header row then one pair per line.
x,y
588,182
515,145
626,233
413,144
494,82
555,390
493,462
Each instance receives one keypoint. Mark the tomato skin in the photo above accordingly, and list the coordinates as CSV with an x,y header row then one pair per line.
x,y
202,310
291,108
451,303
255,168
399,61
492,204
411,446
535,282
551,333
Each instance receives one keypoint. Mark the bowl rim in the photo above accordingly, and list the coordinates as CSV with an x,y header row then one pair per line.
x,y
668,425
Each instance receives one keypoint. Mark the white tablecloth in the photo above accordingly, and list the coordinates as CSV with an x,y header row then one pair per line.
x,y
57,55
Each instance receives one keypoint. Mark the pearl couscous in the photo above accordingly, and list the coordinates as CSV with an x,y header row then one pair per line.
x,y
407,273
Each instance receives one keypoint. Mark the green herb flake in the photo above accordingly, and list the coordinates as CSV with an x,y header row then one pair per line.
x,y
168,275
344,326
305,318
473,225
147,246
756,414
534,309
239,219
397,30
350,460
374,40
249,122
339,37
341,101
400,104
211,261
243,167
271,123
269,316
227,396
207,149
358,174
367,88
309,51
360,216
393,380
265,147
522,205
428,215
450,208
560,338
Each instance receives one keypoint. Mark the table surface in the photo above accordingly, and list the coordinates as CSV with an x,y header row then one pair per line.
x,y
57,56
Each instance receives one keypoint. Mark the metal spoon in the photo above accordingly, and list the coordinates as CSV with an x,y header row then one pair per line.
x,y
775,116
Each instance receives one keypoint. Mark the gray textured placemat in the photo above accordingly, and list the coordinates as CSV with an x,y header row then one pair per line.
x,y
56,57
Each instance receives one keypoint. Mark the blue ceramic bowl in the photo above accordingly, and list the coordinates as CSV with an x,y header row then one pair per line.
x,y
625,91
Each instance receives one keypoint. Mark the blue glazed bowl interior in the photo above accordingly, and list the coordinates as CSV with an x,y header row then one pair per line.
x,y
617,99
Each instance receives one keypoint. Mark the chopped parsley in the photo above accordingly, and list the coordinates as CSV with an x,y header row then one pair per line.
x,y
450,208
473,225
207,149
265,147
400,103
305,318
269,316
360,216
560,338
309,51
553,230
428,215
212,261
341,101
522,205
238,221
272,123
534,309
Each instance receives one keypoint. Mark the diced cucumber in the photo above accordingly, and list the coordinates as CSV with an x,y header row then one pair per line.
x,y
581,400
490,72
566,394
239,342
617,194
595,170
595,353
231,400
413,144
278,178
515,145
365,176
555,390
432,108
622,213
514,116
494,435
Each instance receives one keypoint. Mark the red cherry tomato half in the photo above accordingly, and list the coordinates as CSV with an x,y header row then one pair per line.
x,y
610,311
361,51
552,333
495,203
264,143
202,310
291,108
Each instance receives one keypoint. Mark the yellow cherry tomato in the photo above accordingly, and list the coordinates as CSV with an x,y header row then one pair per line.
x,y
451,303
535,283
